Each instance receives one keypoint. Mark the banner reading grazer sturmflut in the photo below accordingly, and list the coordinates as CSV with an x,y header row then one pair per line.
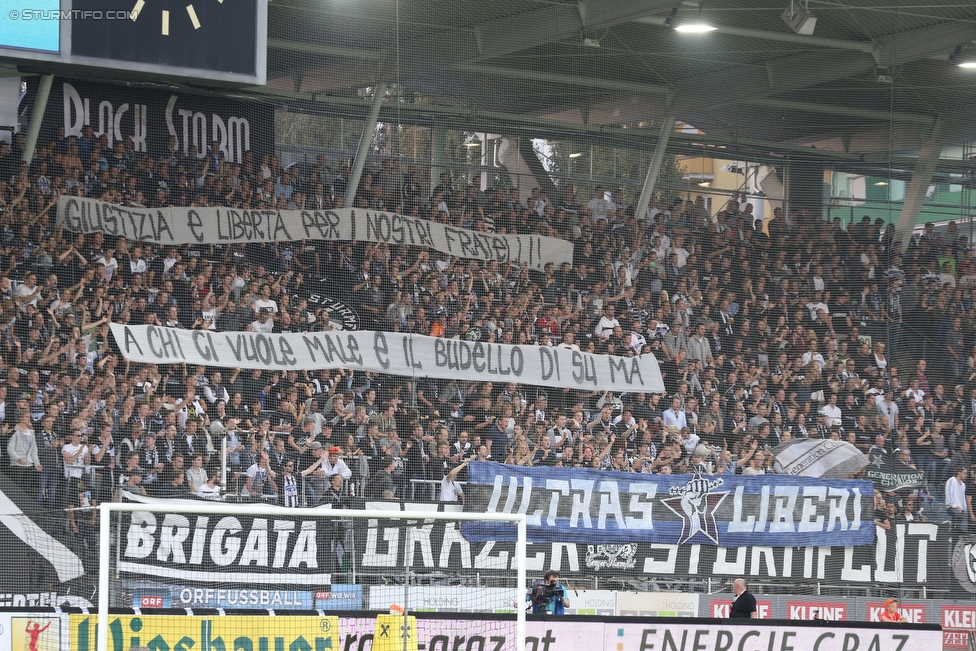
x,y
723,510
389,352
229,225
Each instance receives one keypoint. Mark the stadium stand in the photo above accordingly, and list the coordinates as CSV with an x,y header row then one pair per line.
x,y
760,342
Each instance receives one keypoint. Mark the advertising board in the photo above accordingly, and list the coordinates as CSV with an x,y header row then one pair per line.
x,y
443,634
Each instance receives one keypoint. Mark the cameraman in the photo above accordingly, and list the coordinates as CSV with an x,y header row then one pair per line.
x,y
549,597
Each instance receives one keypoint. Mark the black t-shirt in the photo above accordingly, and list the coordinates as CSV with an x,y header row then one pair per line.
x,y
916,449
743,606
415,459
971,489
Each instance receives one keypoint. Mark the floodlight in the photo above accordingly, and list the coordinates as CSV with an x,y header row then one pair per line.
x,y
800,19
695,28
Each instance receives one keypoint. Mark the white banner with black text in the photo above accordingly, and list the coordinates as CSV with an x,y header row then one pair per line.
x,y
171,226
394,353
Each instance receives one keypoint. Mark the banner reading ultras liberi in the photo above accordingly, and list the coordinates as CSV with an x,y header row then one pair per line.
x,y
598,506
167,226
389,352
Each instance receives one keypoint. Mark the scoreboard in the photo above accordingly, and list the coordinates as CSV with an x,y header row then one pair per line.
x,y
217,40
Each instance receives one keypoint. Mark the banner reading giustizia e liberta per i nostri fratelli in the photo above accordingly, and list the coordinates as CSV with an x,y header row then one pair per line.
x,y
198,225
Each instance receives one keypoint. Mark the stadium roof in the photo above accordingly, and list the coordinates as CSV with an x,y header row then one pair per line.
x,y
752,82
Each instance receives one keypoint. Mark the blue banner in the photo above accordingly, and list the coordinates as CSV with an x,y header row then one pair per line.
x,y
329,597
604,507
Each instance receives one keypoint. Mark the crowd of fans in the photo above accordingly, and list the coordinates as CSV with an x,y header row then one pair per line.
x,y
764,331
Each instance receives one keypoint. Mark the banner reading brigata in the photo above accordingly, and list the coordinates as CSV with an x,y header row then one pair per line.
x,y
389,352
728,511
229,225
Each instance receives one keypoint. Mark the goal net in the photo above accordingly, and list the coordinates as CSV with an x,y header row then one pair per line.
x,y
330,577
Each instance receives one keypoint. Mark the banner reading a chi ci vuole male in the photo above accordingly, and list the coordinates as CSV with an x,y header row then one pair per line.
x,y
393,353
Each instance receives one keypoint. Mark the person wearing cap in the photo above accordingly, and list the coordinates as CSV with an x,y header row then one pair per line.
x,y
332,464
890,612
315,474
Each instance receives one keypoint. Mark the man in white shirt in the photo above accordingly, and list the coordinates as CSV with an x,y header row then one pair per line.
x,y
675,416
172,257
75,455
333,464
913,391
259,480
451,490
196,475
689,440
637,340
831,410
955,494
264,323
813,356
568,342
210,490
677,248
264,301
28,292
816,304
598,207
604,328
81,350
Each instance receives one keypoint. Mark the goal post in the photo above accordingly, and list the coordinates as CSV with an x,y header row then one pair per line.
x,y
227,550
